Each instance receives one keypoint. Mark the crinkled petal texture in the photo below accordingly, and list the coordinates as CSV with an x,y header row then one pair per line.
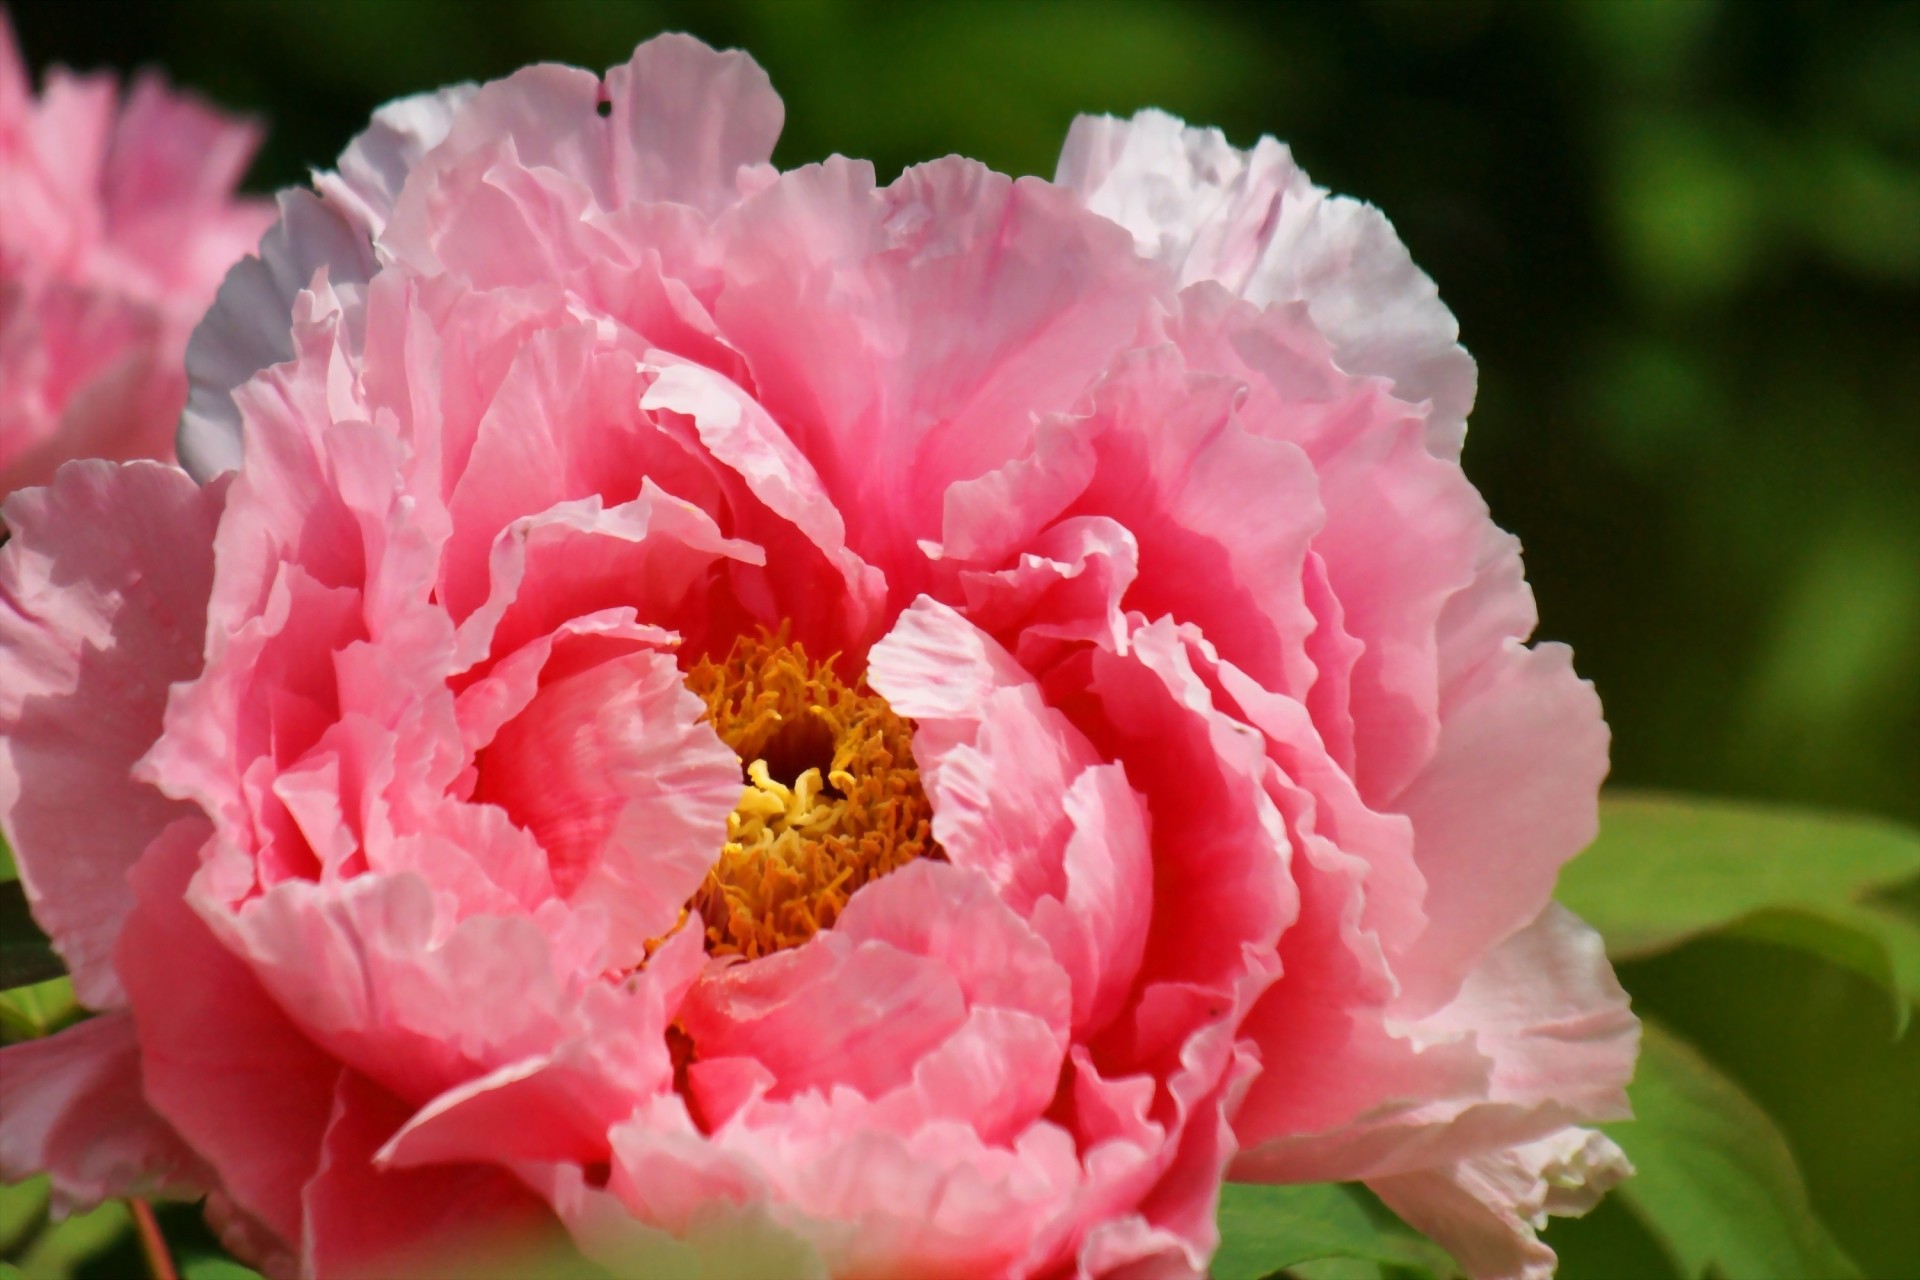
x,y
117,221
1247,792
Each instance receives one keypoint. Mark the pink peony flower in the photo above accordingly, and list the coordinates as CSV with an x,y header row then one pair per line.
x,y
117,221
803,727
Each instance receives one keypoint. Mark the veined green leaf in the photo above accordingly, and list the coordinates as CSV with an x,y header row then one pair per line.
x,y
1716,1184
1666,869
1267,1229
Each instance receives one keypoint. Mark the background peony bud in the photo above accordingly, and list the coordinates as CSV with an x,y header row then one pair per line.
x,y
117,222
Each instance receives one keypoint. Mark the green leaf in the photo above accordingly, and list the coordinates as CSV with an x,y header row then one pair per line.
x,y
1267,1229
210,1267
60,1249
7,870
25,954
1716,1184
27,1013
1667,869
23,1208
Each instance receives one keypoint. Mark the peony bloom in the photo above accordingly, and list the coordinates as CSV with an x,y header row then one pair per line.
x,y
117,221
801,727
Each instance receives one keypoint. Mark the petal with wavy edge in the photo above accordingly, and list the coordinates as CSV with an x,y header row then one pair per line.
x,y
71,1106
256,1118
87,672
362,1221
1252,221
1485,1209
627,789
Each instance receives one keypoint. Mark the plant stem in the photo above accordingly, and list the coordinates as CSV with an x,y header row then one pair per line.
x,y
152,1244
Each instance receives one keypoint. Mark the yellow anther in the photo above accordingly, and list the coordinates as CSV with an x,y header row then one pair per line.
x,y
832,798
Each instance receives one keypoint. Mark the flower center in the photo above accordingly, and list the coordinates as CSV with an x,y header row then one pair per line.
x,y
832,800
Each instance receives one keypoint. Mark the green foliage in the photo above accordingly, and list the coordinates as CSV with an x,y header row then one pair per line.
x,y
25,954
1715,1182
61,1249
1666,869
37,1010
207,1267
1268,1229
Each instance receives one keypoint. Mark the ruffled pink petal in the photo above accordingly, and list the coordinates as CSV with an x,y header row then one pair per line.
x,y
686,121
741,436
995,760
565,423
246,330
1221,896
1065,588
1176,465
71,1106
86,675
560,1106
1511,794
1485,1209
373,975
255,1116
1253,222
658,557
374,167
1539,1037
945,312
625,787
829,1012
1098,928
1404,531
363,1222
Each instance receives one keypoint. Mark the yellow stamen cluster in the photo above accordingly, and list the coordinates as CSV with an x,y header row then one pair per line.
x,y
832,800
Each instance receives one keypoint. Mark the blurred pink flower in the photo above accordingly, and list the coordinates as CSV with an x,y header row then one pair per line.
x,y
117,222
1183,801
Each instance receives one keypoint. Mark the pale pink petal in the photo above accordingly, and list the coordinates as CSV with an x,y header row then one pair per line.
x,y
85,377
86,679
1098,929
1223,511
247,329
626,789
742,437
1485,1209
1253,221
375,165
1539,1037
560,1105
1511,795
168,190
944,313
255,1116
829,1012
371,973
363,1222
71,1106
995,760
659,557
686,120
1066,586
1404,531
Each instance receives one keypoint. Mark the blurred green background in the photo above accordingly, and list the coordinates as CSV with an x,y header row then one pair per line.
x,y
1682,240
